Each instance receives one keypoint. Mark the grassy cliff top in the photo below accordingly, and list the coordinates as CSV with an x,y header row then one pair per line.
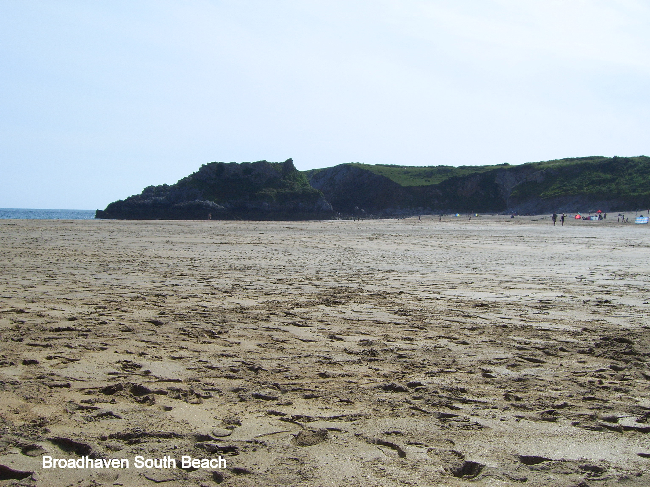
x,y
422,175
428,175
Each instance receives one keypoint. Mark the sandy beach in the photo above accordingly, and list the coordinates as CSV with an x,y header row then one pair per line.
x,y
490,351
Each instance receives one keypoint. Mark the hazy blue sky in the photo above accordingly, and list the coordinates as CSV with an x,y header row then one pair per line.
x,y
99,99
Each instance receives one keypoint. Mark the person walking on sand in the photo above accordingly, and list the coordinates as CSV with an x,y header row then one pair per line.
x,y
562,218
554,218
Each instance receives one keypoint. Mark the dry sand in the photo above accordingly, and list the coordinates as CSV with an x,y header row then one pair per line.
x,y
484,352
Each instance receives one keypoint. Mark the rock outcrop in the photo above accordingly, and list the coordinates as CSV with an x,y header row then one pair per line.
x,y
277,191
255,191
570,185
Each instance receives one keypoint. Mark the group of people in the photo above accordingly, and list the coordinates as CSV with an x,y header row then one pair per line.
x,y
601,216
554,218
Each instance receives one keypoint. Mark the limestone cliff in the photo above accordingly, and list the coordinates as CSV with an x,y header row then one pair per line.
x,y
259,191
277,191
566,185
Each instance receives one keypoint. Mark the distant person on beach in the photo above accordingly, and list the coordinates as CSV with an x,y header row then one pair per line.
x,y
554,218
562,218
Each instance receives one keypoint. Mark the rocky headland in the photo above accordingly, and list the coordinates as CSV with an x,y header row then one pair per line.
x,y
228,191
278,191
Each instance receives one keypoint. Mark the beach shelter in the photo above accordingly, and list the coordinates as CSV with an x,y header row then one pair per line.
x,y
578,216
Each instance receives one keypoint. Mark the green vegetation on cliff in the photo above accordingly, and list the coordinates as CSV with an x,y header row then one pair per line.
x,y
253,190
602,177
610,177
423,175
277,190
261,181
574,184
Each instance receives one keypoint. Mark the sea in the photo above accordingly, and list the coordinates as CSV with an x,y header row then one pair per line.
x,y
37,214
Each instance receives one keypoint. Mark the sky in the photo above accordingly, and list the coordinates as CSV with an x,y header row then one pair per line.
x,y
101,99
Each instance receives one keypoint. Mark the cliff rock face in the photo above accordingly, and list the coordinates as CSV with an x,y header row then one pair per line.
x,y
508,180
277,191
350,190
258,191
568,185
581,184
